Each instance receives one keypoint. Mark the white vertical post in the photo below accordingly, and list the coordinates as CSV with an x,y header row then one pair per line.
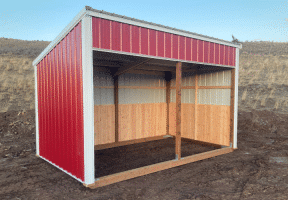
x,y
88,102
36,110
236,99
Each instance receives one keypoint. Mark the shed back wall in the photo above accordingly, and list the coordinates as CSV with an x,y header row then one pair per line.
x,y
142,107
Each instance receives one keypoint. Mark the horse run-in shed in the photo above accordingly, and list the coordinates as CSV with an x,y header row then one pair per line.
x,y
109,80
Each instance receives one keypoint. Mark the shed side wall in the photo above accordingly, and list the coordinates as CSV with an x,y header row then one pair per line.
x,y
60,105
117,36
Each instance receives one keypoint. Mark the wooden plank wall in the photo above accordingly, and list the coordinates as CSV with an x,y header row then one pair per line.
x,y
212,110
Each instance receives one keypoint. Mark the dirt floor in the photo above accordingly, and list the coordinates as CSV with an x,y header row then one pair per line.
x,y
256,170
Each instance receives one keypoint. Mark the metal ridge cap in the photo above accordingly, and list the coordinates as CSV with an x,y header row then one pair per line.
x,y
159,25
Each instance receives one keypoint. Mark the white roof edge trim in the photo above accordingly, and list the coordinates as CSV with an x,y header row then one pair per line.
x,y
63,33
150,25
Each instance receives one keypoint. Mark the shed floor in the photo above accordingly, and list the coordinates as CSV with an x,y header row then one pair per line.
x,y
123,158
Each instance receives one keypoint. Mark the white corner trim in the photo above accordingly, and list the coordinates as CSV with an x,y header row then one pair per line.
x,y
236,99
88,100
159,28
63,33
36,110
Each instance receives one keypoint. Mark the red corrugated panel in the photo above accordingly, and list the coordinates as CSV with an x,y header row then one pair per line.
x,y
182,48
212,52
194,50
206,51
226,61
105,34
230,56
144,41
188,49
116,36
175,46
96,32
222,54
152,42
160,44
200,51
126,37
217,51
60,105
168,37
135,39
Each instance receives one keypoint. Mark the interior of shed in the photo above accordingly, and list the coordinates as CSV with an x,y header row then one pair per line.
x,y
135,101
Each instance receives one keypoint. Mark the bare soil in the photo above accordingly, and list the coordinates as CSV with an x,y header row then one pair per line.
x,y
256,170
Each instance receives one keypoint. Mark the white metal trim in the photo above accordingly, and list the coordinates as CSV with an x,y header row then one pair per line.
x,y
63,33
36,110
159,58
158,28
236,100
61,169
88,100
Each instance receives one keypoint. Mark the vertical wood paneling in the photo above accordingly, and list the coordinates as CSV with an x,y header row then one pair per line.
x,y
212,53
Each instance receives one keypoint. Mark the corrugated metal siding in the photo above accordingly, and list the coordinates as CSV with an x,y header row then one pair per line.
x,y
118,36
204,96
137,96
60,105
103,96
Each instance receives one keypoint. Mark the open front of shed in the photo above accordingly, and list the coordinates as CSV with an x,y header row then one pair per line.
x,y
109,80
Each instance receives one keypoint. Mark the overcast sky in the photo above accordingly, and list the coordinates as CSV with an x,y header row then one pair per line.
x,y
265,20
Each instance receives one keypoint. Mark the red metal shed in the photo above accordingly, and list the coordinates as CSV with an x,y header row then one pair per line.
x,y
102,67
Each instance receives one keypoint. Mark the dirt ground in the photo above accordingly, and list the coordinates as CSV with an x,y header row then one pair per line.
x,y
256,170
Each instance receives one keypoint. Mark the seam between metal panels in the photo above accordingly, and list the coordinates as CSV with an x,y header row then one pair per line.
x,y
159,58
62,35
142,23
61,168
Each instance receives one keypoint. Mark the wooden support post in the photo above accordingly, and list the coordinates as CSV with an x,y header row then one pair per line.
x,y
168,76
116,86
232,106
195,107
178,110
